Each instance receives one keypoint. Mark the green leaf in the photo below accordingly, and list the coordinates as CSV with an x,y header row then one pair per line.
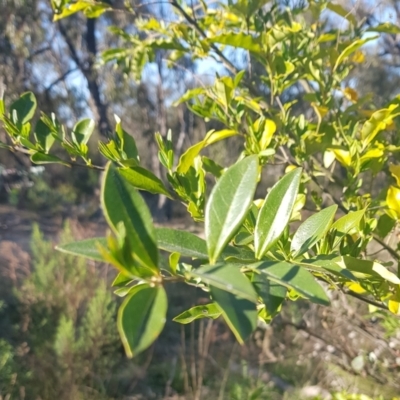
x,y
123,204
24,108
87,248
141,318
82,131
328,264
227,277
312,230
189,245
205,311
385,27
294,277
385,225
240,314
187,158
366,268
121,280
355,45
275,212
185,243
43,135
271,293
346,223
42,158
142,179
228,204
242,40
127,143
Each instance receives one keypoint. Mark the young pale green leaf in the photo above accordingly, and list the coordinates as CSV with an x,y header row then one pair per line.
x,y
275,212
385,27
227,277
205,311
87,248
312,230
24,108
142,179
42,158
294,277
241,40
141,318
271,293
346,223
82,131
328,264
366,268
350,49
123,204
240,314
228,204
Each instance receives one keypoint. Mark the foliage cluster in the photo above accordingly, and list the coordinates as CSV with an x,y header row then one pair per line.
x,y
252,258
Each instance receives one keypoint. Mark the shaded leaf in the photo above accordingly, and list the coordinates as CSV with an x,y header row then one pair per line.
x,y
240,314
142,317
42,158
123,204
205,311
23,108
294,277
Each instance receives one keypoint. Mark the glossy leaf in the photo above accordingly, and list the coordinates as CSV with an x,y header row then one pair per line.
x,y
227,277
328,264
43,135
123,204
205,311
294,277
23,108
366,268
346,223
228,204
87,248
82,131
142,317
42,158
143,179
275,212
240,314
312,230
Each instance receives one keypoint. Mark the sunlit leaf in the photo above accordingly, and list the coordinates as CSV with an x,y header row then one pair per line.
x,y
275,212
312,230
228,204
